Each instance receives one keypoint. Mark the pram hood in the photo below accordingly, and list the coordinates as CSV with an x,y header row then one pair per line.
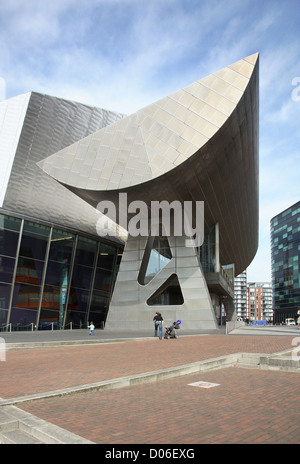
x,y
175,325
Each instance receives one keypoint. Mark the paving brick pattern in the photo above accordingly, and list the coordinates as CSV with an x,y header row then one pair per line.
x,y
39,370
248,406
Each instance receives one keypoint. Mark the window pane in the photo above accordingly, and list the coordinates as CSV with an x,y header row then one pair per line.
x,y
82,276
61,246
4,295
52,309
21,317
8,242
6,269
99,309
33,246
29,271
107,255
103,280
3,318
78,299
77,307
26,296
85,251
9,222
32,228
57,274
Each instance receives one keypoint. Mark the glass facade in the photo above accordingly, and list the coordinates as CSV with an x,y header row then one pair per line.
x,y
285,251
53,278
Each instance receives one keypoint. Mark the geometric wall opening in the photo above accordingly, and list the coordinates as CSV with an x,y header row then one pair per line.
x,y
156,256
168,294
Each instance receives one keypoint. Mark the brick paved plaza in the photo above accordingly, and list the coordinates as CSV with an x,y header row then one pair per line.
x,y
246,405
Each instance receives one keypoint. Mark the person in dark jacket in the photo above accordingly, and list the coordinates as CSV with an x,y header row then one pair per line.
x,y
158,323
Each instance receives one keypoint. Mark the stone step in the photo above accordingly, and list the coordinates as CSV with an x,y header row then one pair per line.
x,y
281,362
248,360
18,437
13,431
20,427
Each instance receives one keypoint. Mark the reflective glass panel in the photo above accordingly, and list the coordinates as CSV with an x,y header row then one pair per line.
x,y
9,222
34,240
8,242
57,274
29,271
33,228
6,269
21,318
99,309
53,305
82,276
103,280
77,307
107,256
85,251
3,318
5,290
26,296
61,246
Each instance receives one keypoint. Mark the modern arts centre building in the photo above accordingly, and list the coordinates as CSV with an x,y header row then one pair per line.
x,y
79,184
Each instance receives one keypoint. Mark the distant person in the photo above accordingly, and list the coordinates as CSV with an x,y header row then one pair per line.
x,y
298,322
158,322
91,327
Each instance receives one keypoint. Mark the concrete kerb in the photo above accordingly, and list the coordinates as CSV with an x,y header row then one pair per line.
x,y
55,344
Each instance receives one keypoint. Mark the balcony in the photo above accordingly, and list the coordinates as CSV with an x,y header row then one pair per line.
x,y
220,283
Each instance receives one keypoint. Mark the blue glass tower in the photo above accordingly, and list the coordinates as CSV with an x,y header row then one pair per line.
x,y
285,251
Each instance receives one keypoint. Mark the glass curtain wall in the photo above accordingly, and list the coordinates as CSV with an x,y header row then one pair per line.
x,y
51,278
81,282
57,279
285,252
9,240
29,273
107,265
208,251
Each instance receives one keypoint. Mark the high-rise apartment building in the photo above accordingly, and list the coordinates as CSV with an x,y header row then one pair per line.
x,y
285,251
241,295
260,301
253,300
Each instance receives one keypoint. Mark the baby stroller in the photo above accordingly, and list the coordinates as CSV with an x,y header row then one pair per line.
x,y
171,330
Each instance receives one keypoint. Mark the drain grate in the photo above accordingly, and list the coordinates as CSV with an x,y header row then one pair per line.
x,y
202,384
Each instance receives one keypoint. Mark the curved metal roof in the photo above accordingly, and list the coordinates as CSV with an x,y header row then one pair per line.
x,y
200,143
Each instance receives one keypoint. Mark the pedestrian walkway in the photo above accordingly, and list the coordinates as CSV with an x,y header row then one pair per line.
x,y
76,385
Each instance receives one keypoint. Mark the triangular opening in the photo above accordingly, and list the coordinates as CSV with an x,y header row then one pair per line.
x,y
168,294
157,255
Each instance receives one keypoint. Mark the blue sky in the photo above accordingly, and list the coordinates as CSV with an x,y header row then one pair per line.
x,y
124,54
